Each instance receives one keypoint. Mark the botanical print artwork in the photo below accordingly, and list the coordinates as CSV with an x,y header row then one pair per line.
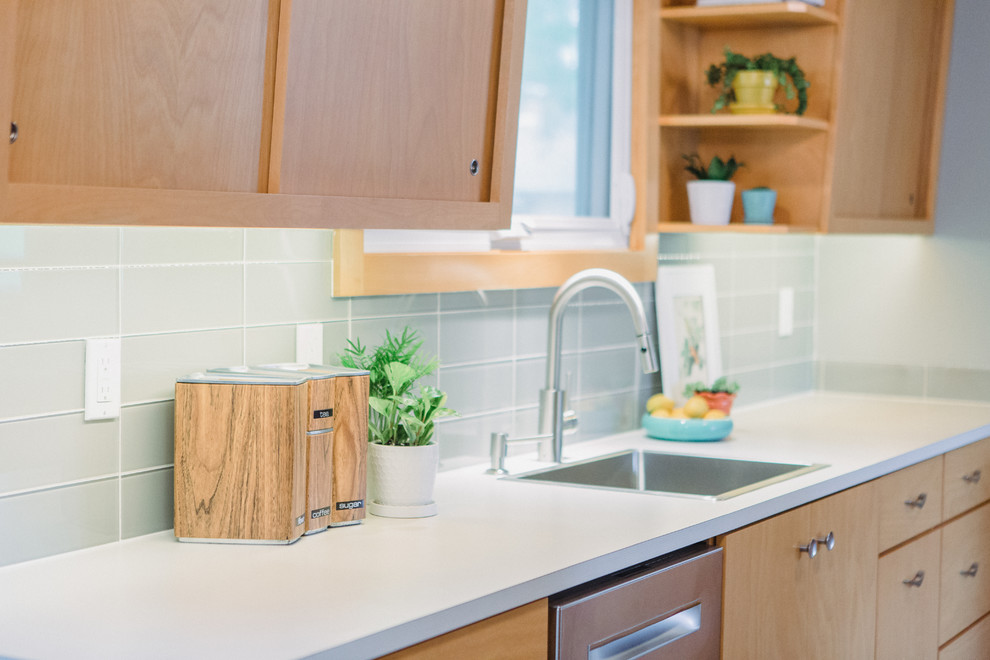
x,y
690,327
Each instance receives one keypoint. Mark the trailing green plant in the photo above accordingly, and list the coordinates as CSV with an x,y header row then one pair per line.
x,y
717,169
398,416
721,384
787,72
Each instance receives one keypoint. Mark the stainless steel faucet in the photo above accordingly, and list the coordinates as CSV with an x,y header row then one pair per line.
x,y
552,420
552,397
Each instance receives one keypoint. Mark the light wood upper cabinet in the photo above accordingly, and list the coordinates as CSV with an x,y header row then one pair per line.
x,y
863,158
140,93
889,115
278,113
779,602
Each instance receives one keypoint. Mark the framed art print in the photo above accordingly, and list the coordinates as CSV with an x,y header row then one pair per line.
x,y
687,325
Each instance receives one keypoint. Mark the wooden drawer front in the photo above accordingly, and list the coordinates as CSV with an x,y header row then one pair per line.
x,y
907,600
974,643
965,596
910,502
967,478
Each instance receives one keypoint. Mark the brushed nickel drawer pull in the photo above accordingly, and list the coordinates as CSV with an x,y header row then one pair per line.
x,y
828,541
811,548
971,571
916,581
973,478
13,132
918,502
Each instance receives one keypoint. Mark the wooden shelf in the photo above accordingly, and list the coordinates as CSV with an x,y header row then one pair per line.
x,y
735,227
793,14
709,120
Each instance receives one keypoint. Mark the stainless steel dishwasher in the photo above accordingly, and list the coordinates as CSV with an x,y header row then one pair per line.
x,y
663,609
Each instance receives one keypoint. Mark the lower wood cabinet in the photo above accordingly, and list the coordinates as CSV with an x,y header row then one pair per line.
x,y
965,579
907,600
519,634
802,584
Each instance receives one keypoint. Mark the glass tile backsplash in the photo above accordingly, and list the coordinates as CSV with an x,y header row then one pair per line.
x,y
184,299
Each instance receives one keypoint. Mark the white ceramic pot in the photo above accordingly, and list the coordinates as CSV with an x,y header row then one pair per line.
x,y
711,201
401,480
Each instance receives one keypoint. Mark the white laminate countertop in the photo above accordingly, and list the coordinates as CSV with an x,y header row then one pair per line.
x,y
360,591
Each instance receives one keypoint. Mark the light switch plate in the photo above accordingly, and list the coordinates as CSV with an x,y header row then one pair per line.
x,y
102,393
309,343
785,314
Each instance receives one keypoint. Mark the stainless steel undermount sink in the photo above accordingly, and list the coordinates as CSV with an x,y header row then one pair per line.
x,y
704,477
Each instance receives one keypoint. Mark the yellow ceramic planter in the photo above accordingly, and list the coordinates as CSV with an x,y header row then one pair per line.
x,y
754,91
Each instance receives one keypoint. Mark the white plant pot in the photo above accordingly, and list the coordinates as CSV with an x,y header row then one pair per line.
x,y
711,201
401,480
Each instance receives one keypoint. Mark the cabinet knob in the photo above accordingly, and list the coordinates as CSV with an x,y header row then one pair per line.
x,y
918,502
13,132
475,167
971,571
916,581
811,548
828,541
972,478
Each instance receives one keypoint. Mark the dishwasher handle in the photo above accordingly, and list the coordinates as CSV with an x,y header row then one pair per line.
x,y
652,637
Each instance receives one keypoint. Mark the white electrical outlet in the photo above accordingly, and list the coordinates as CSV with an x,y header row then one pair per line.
x,y
102,393
309,343
785,313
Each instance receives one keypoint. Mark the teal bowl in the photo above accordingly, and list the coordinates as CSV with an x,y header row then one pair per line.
x,y
687,430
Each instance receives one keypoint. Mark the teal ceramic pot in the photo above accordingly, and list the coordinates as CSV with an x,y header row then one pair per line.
x,y
758,205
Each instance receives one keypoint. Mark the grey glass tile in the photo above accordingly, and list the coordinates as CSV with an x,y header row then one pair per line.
x,y
804,307
477,389
476,336
180,245
795,271
798,346
873,378
371,332
754,386
146,503
383,306
607,414
274,343
535,297
966,384
50,451
43,246
41,378
150,364
531,377
754,311
751,349
165,298
470,438
289,244
793,378
473,300
753,274
606,325
605,371
291,293
334,341
49,305
147,435
53,521
531,330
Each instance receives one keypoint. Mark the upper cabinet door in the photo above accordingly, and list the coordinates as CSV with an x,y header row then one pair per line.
x,y
161,94
405,108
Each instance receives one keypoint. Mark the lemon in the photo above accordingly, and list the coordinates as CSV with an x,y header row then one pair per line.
x,y
696,407
715,414
660,412
659,402
678,413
